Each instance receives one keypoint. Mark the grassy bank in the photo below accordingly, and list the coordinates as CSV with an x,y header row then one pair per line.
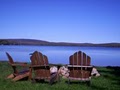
x,y
109,80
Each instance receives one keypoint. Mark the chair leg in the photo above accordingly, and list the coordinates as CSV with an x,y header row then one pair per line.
x,y
10,76
33,80
58,78
20,77
53,78
68,81
16,78
30,75
88,83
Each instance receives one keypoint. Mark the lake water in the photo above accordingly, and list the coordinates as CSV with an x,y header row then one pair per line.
x,y
100,56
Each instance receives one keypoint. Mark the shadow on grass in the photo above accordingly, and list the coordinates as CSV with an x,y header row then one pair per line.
x,y
116,72
78,82
43,82
93,87
112,73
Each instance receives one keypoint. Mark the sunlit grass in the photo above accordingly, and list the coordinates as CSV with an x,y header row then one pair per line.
x,y
109,80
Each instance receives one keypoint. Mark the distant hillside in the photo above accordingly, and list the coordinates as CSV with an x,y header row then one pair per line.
x,y
22,42
46,43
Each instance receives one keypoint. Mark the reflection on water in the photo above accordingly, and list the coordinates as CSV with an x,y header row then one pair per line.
x,y
100,56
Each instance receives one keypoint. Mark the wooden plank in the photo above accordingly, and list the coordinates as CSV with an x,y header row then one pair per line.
x,y
79,58
75,59
78,66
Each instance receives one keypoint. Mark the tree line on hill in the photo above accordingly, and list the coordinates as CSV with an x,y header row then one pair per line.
x,y
46,43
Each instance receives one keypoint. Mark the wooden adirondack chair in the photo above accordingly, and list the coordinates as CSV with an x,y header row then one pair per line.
x,y
18,74
40,65
80,68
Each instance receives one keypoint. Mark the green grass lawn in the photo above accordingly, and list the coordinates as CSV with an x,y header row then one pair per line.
x,y
109,80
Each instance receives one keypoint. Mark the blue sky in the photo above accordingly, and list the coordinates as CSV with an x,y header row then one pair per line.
x,y
82,21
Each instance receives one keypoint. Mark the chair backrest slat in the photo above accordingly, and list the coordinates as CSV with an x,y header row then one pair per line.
x,y
88,61
10,58
75,59
79,57
71,60
84,59
11,61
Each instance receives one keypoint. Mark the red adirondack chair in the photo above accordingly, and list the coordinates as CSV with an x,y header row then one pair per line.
x,y
18,74
79,66
40,65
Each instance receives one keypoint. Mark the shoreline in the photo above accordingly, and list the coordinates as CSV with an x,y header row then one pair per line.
x,y
67,46
52,64
48,43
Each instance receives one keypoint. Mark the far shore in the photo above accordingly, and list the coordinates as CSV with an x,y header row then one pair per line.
x,y
35,42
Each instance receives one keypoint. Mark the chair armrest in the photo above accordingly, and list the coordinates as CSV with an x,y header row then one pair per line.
x,y
20,64
79,66
40,66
